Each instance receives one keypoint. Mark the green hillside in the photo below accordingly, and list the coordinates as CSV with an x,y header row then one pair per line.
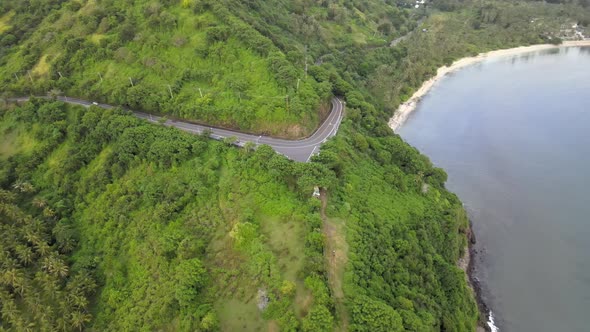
x,y
177,232
207,61
266,67
110,223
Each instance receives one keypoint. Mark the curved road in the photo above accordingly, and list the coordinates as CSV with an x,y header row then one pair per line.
x,y
299,150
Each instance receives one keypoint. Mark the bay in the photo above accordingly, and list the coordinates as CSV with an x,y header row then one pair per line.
x,y
513,134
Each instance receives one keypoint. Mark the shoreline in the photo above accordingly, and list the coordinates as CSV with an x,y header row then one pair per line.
x,y
467,264
403,111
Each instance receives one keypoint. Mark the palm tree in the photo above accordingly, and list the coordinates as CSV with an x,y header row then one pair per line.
x,y
15,278
10,311
54,93
9,210
61,269
78,319
48,212
61,324
33,303
42,247
45,316
25,254
26,326
55,266
39,202
23,186
77,300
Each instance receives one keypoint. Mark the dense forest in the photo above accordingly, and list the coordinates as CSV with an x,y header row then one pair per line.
x,y
179,232
112,223
176,231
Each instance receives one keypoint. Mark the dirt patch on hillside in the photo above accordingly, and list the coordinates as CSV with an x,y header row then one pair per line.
x,y
336,254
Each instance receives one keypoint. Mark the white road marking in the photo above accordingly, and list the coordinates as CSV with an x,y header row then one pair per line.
x,y
311,154
328,126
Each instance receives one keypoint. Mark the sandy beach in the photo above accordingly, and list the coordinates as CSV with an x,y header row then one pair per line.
x,y
404,110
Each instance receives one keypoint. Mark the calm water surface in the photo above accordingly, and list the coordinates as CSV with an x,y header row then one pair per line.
x,y
514,136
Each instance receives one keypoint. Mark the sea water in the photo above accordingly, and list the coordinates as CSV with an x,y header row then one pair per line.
x,y
513,134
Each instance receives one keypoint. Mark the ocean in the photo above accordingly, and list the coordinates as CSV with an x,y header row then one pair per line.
x,y
513,134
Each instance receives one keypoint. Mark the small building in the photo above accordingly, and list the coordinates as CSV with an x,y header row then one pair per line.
x,y
316,192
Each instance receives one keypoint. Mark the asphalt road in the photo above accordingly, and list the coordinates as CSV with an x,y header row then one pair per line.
x,y
299,150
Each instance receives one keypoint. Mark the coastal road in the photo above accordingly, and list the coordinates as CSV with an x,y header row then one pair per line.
x,y
298,150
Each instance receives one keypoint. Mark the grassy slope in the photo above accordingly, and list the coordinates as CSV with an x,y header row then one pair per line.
x,y
197,51
135,229
4,20
402,243
222,63
139,219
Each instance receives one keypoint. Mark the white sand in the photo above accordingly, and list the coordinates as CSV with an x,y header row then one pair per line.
x,y
404,110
